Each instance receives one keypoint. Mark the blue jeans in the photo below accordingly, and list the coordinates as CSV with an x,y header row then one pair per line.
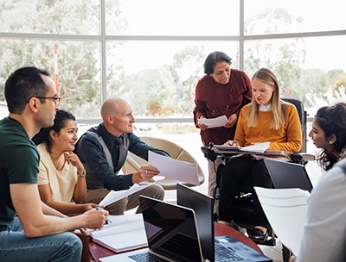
x,y
15,246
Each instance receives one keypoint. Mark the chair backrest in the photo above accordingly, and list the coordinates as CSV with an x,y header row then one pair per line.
x,y
133,162
303,118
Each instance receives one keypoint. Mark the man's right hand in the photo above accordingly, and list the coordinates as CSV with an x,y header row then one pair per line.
x,y
145,173
95,219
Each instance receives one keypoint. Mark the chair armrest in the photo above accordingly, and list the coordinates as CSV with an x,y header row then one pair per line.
x,y
209,153
302,158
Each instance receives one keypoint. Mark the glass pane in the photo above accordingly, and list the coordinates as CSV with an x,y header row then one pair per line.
x,y
50,17
306,69
78,70
179,17
158,78
292,16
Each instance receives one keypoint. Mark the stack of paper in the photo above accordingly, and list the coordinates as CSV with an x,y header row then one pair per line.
x,y
114,196
214,122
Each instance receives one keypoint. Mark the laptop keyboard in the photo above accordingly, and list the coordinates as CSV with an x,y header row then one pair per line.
x,y
223,254
147,257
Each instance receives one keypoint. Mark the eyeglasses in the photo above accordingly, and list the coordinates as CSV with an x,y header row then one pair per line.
x,y
55,99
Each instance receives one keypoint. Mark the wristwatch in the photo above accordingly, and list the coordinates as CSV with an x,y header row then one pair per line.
x,y
81,175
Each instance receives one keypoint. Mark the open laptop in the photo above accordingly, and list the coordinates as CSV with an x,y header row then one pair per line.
x,y
171,233
224,248
288,175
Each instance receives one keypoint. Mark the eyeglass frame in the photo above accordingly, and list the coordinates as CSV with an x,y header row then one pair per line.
x,y
55,99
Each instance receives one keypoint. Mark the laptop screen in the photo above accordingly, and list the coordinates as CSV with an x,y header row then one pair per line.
x,y
288,175
171,230
203,207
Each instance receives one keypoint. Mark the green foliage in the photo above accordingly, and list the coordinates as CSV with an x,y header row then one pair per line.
x,y
78,62
167,90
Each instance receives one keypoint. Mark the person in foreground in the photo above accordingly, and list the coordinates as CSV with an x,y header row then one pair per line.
x,y
324,237
62,175
222,91
29,229
265,119
103,151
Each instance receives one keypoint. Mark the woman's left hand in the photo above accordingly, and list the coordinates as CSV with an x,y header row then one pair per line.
x,y
232,120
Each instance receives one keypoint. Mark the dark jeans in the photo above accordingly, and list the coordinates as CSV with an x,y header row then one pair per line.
x,y
244,172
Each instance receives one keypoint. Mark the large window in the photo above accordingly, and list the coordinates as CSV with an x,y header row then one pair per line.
x,y
151,52
172,18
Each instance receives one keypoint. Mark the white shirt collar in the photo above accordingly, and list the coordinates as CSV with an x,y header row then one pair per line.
x,y
265,108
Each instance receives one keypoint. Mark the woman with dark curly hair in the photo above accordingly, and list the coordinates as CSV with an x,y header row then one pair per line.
x,y
324,231
329,134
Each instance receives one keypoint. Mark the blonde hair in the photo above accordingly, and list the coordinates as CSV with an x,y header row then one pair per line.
x,y
279,112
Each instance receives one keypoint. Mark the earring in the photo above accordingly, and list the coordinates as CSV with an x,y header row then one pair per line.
x,y
330,142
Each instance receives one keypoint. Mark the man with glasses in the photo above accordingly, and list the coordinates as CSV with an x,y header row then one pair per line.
x,y
29,229
55,99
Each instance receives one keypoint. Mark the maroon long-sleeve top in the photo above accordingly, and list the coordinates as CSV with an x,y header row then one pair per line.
x,y
213,100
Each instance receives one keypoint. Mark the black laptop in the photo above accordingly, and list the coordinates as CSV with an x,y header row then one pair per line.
x,y
171,233
288,175
224,248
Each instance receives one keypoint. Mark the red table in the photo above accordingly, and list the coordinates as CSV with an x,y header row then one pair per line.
x,y
97,251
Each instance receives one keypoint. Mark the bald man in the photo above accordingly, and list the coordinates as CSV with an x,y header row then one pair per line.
x,y
103,150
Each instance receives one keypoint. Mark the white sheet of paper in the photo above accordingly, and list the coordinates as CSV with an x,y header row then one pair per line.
x,y
256,148
286,211
176,169
214,122
114,196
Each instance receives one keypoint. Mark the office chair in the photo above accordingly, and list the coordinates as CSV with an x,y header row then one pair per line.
x,y
244,214
133,162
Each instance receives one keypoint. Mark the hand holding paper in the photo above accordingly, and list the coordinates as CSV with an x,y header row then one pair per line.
x,y
176,169
214,122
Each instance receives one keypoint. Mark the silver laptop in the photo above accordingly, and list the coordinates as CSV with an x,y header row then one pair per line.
x,y
288,175
171,233
223,248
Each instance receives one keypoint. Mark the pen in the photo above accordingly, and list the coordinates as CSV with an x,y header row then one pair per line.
x,y
233,143
108,220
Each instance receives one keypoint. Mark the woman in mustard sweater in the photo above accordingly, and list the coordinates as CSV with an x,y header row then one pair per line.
x,y
265,119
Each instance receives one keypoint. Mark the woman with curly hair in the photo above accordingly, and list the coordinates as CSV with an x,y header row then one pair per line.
x,y
324,231
329,134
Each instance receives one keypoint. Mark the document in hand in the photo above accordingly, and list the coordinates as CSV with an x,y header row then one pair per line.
x,y
286,212
176,169
126,232
114,196
214,122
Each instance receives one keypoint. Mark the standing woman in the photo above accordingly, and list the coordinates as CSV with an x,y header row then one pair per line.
x,y
222,91
265,119
61,176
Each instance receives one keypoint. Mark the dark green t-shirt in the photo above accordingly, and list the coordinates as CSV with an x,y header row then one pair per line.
x,y
19,162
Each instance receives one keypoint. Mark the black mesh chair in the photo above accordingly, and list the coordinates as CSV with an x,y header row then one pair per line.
x,y
244,208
